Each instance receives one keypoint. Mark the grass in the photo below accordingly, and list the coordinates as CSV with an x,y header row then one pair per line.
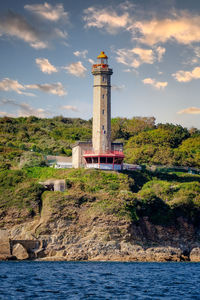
x,y
125,195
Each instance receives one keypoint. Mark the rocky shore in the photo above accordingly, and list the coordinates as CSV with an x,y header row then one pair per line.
x,y
99,239
101,216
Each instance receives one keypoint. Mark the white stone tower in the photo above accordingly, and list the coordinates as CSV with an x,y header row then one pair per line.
x,y
101,131
101,153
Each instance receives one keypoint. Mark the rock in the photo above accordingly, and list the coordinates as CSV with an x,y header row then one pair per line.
x,y
4,245
195,254
20,252
163,254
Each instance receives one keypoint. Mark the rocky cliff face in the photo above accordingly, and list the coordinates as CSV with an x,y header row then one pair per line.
x,y
77,228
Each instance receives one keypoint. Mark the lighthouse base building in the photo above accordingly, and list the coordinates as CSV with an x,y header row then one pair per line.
x,y
100,153
83,156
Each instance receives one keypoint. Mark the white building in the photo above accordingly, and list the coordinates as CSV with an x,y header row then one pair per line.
x,y
59,162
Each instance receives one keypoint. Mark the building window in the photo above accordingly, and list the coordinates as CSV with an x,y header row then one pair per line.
x,y
95,160
109,160
103,78
102,127
102,160
118,160
102,111
88,160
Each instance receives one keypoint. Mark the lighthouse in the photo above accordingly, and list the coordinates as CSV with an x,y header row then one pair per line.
x,y
101,130
103,154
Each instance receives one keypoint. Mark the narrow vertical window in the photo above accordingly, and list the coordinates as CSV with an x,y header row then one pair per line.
x,y
103,78
103,96
102,127
102,111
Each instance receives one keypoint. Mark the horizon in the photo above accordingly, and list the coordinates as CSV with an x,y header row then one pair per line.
x,y
48,49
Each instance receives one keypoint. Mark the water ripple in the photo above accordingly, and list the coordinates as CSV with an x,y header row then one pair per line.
x,y
99,280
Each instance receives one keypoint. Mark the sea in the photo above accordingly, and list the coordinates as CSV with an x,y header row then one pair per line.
x,y
99,280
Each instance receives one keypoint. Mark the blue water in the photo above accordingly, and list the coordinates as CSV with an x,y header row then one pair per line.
x,y
99,280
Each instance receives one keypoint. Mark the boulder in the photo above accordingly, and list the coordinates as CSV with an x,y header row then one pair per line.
x,y
195,254
20,252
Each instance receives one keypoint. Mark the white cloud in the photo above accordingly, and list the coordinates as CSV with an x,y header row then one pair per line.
x,y
24,109
45,66
82,54
127,70
156,84
118,87
185,76
13,85
183,28
105,18
160,52
136,56
6,114
59,33
190,110
70,107
91,61
15,25
48,11
77,69
53,88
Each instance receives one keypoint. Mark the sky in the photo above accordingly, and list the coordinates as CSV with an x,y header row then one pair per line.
x,y
47,50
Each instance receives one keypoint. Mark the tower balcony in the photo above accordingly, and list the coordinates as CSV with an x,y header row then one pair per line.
x,y
99,68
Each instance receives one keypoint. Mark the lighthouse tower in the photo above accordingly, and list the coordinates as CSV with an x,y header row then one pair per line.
x,y
101,131
104,154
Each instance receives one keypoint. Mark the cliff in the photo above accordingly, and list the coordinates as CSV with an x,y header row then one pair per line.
x,y
133,216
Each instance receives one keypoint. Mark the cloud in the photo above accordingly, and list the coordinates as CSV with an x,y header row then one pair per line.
x,y
53,88
118,88
183,28
6,114
77,69
24,109
137,56
45,66
15,25
48,11
91,61
70,107
13,85
190,110
156,84
82,54
127,70
105,18
160,52
185,76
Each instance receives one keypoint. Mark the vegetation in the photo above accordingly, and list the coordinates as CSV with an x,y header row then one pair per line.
x,y
127,195
144,141
131,195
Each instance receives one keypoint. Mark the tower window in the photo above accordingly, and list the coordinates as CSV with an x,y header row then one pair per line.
x,y
103,96
102,127
102,111
103,78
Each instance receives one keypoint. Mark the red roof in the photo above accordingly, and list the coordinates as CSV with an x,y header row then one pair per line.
x,y
108,154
